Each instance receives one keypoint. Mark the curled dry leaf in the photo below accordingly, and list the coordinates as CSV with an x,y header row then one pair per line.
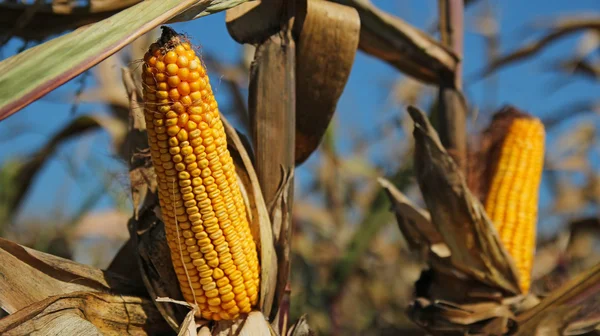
x,y
85,313
327,42
49,295
255,21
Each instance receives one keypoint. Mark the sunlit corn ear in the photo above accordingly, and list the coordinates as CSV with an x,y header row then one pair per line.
x,y
212,249
512,199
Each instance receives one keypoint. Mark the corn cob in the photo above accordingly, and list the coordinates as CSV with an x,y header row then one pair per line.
x,y
212,249
512,199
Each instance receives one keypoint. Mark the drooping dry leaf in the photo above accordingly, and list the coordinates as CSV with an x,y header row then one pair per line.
x,y
439,317
29,276
84,313
458,216
403,46
415,223
327,42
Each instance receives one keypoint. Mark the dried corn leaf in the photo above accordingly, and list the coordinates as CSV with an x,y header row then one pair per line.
x,y
415,223
84,313
475,249
442,317
29,276
403,46
572,309
327,42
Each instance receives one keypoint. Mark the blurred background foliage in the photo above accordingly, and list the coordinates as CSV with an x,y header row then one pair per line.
x,y
64,183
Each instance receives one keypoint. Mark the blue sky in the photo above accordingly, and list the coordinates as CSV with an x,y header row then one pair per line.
x,y
524,85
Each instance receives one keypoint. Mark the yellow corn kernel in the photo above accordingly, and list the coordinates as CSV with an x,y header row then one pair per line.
x,y
512,199
205,216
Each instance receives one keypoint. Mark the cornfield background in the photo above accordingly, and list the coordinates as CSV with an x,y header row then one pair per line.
x,y
64,176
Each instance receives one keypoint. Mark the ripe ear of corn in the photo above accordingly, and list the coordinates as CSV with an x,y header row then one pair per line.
x,y
212,248
512,198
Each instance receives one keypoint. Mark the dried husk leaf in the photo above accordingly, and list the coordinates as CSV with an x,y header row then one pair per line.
x,y
459,217
327,35
29,276
414,222
442,317
85,313
572,309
